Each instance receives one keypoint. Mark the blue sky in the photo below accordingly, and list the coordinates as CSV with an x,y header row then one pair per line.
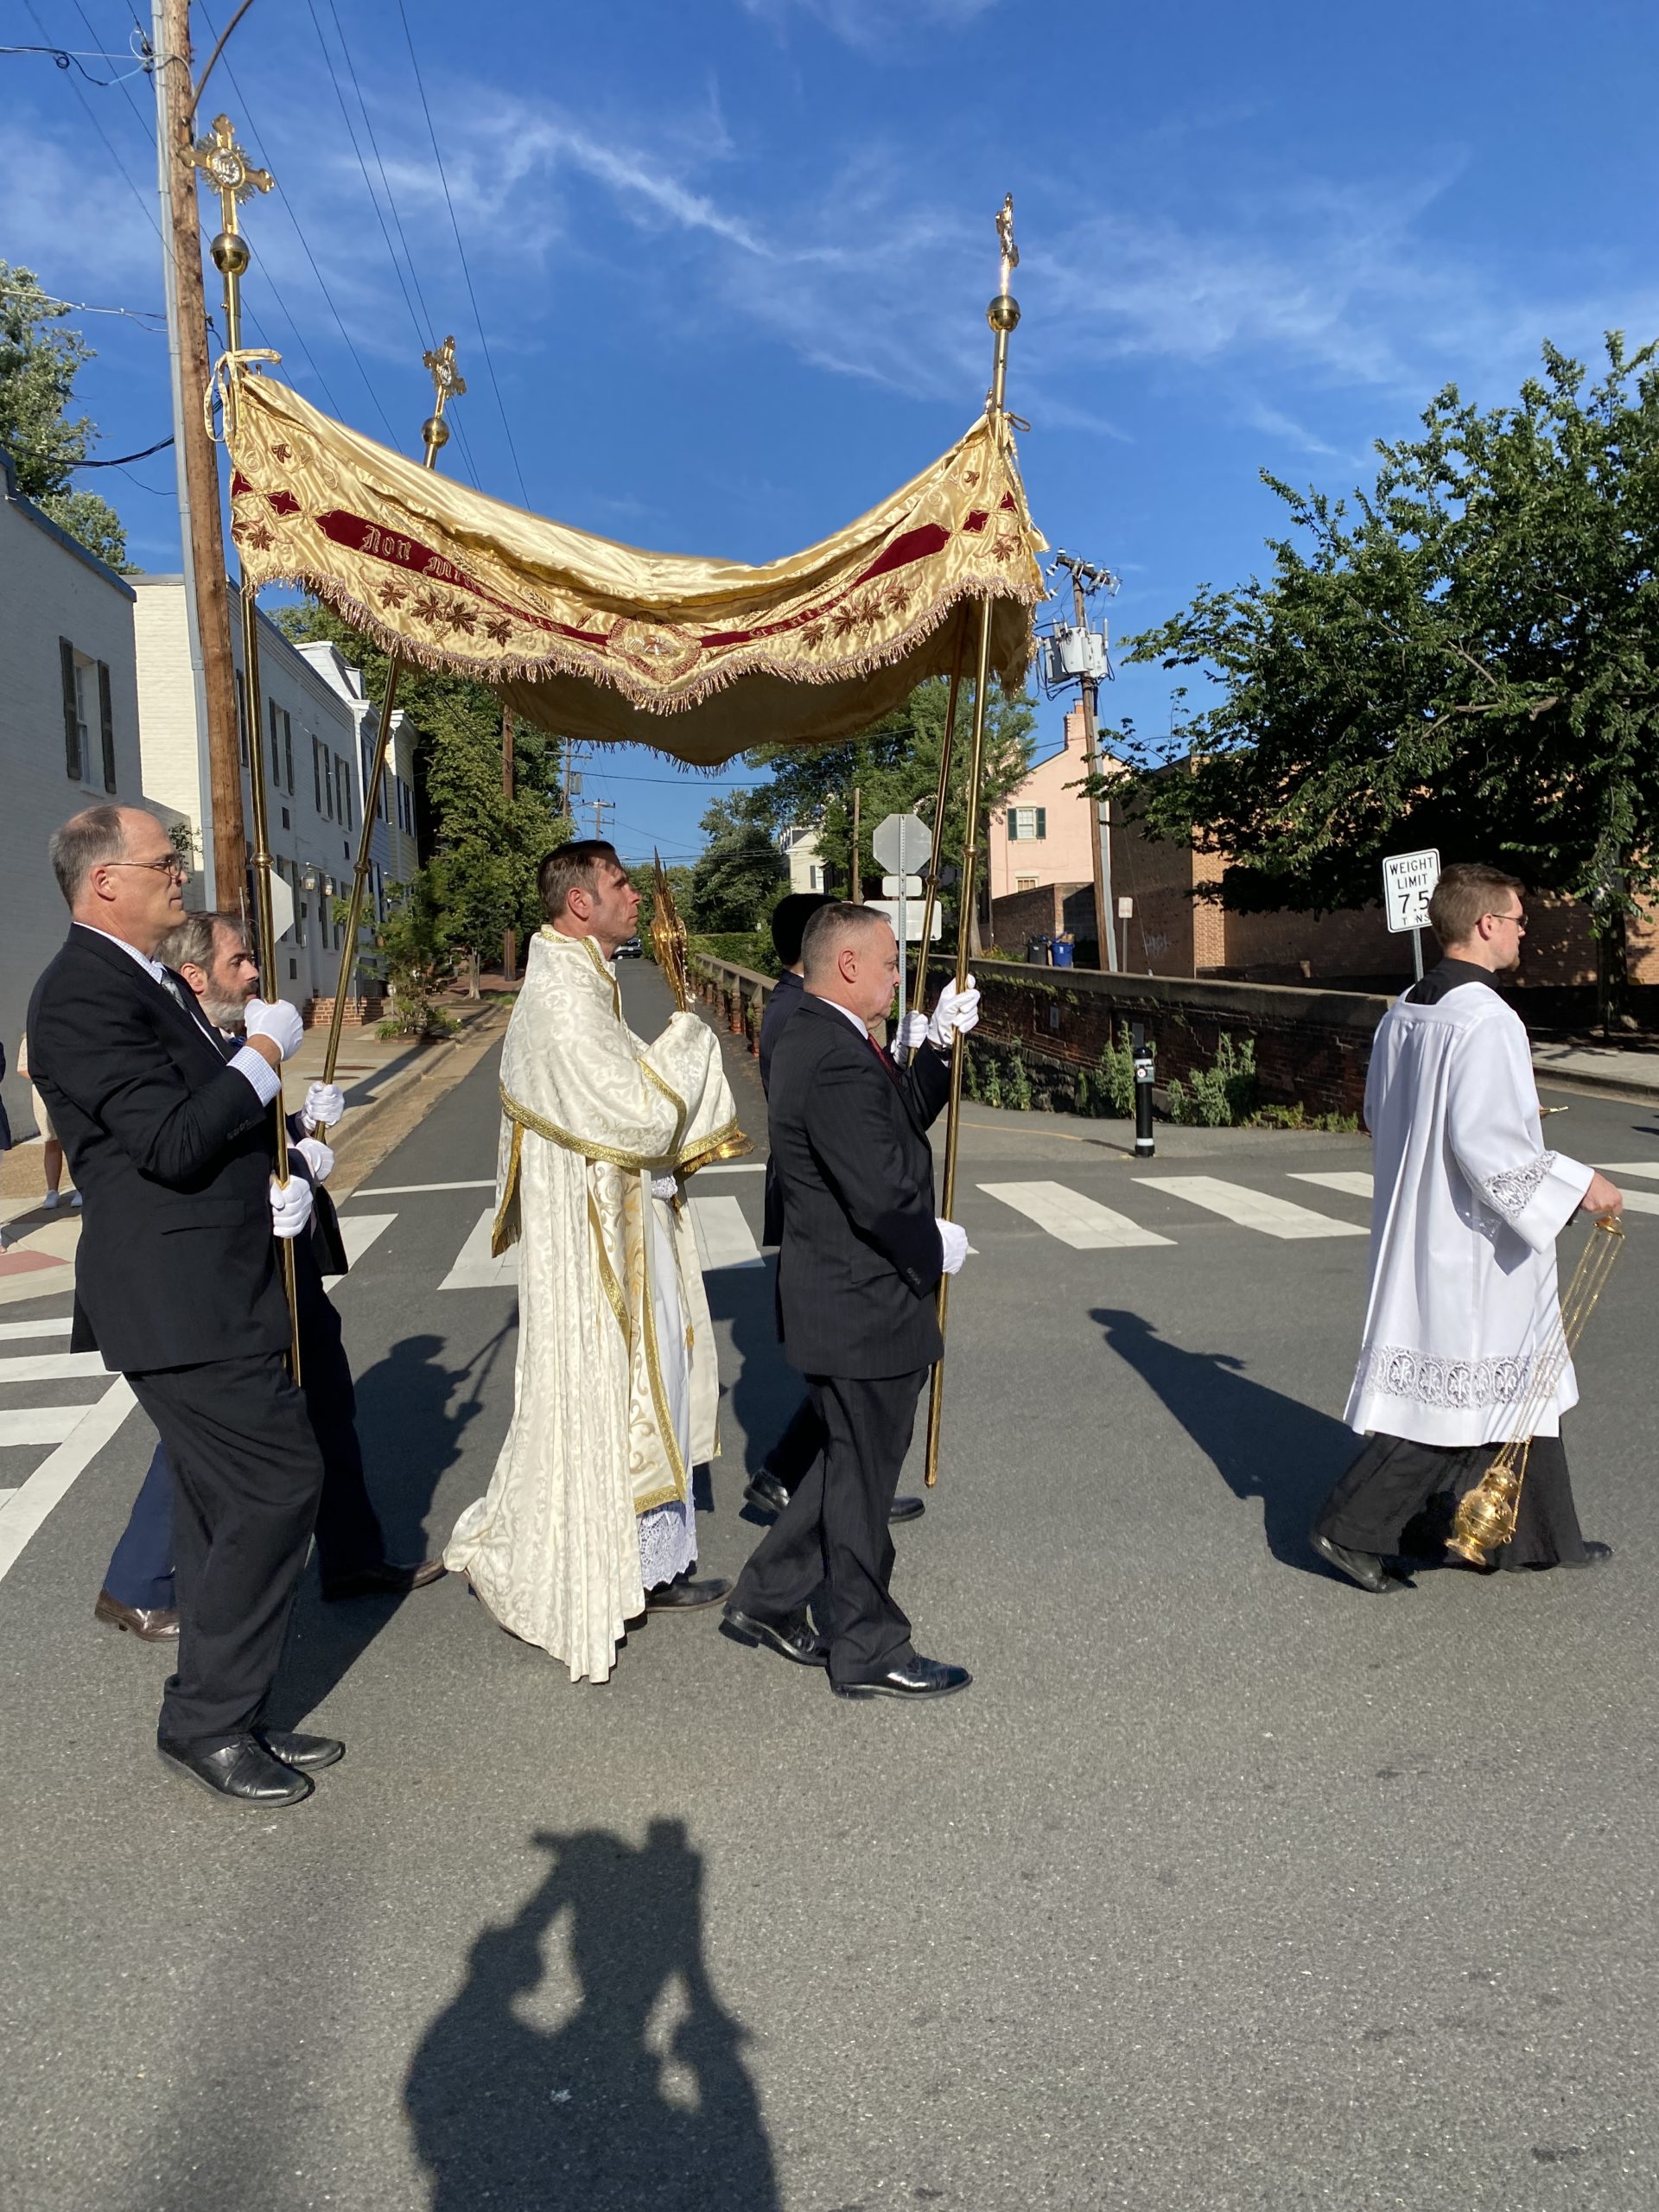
x,y
731,256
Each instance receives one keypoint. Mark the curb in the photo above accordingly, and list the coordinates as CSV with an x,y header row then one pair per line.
x,y
450,1058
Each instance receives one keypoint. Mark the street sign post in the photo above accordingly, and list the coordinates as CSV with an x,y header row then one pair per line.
x,y
1409,881
903,844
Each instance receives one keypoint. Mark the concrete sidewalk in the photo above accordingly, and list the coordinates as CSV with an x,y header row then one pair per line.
x,y
1597,1067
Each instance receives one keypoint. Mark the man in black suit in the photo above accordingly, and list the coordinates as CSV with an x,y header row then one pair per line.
x,y
862,1255
786,1464
211,953
176,1282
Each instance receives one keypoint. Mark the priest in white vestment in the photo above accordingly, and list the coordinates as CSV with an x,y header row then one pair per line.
x,y
588,1520
1468,1204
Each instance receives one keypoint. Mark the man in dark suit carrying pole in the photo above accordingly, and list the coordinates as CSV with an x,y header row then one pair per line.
x,y
861,1257
176,1282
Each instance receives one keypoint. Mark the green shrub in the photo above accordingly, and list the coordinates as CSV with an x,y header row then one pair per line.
x,y
1298,1117
1222,1096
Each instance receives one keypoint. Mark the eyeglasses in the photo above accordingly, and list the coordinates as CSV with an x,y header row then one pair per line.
x,y
1520,920
172,866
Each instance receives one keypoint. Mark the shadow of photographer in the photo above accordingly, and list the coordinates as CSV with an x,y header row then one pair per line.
x,y
639,2097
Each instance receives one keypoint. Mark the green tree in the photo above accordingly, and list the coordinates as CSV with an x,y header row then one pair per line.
x,y
738,877
894,766
480,880
1466,656
38,367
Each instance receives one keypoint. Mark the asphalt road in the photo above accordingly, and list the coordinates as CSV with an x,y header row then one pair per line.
x,y
1224,1886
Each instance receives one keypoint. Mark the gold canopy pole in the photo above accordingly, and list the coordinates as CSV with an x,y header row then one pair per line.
x,y
1002,314
918,996
434,435
228,173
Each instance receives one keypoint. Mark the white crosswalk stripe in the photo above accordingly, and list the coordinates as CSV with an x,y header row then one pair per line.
x,y
1641,1201
475,1268
1352,1182
71,1433
51,1367
358,1231
1631,1168
1081,1223
724,1237
1250,1208
38,1424
58,1328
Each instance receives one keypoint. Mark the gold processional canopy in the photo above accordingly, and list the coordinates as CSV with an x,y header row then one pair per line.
x,y
590,640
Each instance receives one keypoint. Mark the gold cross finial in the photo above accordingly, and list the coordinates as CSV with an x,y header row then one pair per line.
x,y
1005,238
227,170
445,382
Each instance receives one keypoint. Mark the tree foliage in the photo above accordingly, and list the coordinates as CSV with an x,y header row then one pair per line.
x,y
1466,656
894,766
741,874
38,367
480,880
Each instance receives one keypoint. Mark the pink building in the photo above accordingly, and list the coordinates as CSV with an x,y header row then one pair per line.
x,y
1042,835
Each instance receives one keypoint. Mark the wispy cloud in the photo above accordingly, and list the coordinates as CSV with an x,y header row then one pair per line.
x,y
871,24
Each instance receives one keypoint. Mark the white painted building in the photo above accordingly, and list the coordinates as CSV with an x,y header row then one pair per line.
x,y
393,852
69,737
310,738
801,850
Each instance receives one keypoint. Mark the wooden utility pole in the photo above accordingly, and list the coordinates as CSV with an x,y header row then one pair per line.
x,y
1100,840
509,936
601,807
855,888
202,531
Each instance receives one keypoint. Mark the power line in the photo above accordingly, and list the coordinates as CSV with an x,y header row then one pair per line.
x,y
66,56
422,337
466,273
149,212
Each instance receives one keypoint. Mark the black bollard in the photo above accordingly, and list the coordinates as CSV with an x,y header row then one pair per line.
x,y
1145,1148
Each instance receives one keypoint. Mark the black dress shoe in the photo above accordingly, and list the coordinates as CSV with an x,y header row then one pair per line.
x,y
243,1770
906,1509
681,1596
916,1677
305,1753
1594,1555
797,1639
384,1578
766,1493
149,1623
1364,1568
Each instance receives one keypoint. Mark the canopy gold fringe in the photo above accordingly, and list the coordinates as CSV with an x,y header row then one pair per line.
x,y
587,638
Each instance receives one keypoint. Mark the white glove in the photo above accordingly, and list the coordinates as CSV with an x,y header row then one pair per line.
x,y
953,1245
956,1014
317,1157
277,1019
291,1206
912,1030
666,1186
324,1104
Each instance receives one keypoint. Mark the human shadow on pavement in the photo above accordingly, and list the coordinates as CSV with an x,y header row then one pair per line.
x,y
412,1420
1264,1444
766,1389
639,2097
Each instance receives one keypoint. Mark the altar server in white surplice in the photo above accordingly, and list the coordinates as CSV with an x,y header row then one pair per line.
x,y
1468,1204
589,1520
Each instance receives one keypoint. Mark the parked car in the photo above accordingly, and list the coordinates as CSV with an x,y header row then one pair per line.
x,y
631,950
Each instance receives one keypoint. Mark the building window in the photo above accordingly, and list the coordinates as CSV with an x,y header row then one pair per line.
x,y
86,692
342,791
316,771
1025,883
242,717
1027,823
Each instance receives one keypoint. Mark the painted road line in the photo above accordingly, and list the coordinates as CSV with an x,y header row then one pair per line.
x,y
1249,1208
1352,1182
414,1190
23,1513
58,1328
39,1424
1641,1201
724,1237
474,1267
1075,1220
52,1366
1631,1168
358,1231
